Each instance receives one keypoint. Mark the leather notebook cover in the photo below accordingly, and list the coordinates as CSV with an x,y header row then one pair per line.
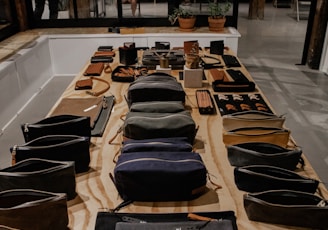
x,y
94,69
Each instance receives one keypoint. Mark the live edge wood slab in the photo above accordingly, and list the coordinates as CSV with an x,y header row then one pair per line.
x,y
96,192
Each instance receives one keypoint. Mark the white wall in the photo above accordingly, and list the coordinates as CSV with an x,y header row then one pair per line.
x,y
324,57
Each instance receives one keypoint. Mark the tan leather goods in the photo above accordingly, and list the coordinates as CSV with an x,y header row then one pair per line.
x,y
204,102
90,107
277,136
252,118
84,84
104,53
219,75
33,209
94,69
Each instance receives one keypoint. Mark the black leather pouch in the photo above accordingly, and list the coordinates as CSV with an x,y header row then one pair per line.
x,y
261,153
40,174
109,220
56,147
259,178
287,207
57,125
33,209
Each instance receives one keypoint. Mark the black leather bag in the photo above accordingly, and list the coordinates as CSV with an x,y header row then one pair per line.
x,y
261,153
33,209
40,174
57,125
56,147
287,207
108,220
259,178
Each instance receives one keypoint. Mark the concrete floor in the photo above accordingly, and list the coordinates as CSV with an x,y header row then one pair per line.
x,y
270,49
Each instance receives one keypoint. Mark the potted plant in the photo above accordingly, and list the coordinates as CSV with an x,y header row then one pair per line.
x,y
217,13
185,17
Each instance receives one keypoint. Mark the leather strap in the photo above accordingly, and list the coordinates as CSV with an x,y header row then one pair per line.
x,y
94,93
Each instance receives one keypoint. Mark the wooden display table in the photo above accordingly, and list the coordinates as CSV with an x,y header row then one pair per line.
x,y
96,191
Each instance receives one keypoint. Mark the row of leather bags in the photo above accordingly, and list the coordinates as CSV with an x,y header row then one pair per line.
x,y
34,191
258,147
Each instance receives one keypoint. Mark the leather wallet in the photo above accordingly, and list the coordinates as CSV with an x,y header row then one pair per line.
x,y
84,84
94,69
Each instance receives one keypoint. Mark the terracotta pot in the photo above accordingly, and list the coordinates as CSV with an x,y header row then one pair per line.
x,y
216,24
187,24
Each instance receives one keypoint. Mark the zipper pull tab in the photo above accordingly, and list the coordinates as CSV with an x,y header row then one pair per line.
x,y
26,128
104,104
13,155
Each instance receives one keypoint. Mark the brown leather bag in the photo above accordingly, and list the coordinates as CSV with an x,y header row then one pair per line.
x,y
33,209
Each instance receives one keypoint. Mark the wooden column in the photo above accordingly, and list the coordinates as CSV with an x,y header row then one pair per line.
x,y
256,9
318,34
83,8
21,15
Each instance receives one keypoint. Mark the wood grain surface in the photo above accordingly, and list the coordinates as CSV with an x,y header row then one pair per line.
x,y
96,192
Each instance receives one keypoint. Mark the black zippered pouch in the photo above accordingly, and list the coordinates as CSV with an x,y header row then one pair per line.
x,y
109,220
56,147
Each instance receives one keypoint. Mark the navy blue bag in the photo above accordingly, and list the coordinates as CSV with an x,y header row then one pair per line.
x,y
160,176
177,144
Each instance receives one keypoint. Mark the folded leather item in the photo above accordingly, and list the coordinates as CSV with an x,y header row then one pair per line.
x,y
100,53
128,73
140,125
90,107
33,209
179,144
57,125
99,128
108,220
94,69
155,87
260,153
158,107
57,148
183,176
84,84
252,118
287,207
259,178
277,136
40,174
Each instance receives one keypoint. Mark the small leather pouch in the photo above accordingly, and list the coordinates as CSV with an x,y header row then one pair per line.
x,y
277,136
287,207
94,69
33,209
56,148
40,174
84,84
259,178
252,118
261,153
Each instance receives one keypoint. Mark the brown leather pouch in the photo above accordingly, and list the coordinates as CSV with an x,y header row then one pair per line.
x,y
84,84
94,69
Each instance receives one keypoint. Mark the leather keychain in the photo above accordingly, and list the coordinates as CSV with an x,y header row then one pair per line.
x,y
95,93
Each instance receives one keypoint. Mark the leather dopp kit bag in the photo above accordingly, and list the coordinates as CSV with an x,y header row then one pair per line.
x,y
40,174
155,87
287,207
57,148
224,220
33,209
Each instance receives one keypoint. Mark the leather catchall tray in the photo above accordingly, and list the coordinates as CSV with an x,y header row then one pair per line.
x,y
128,73
151,58
232,103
